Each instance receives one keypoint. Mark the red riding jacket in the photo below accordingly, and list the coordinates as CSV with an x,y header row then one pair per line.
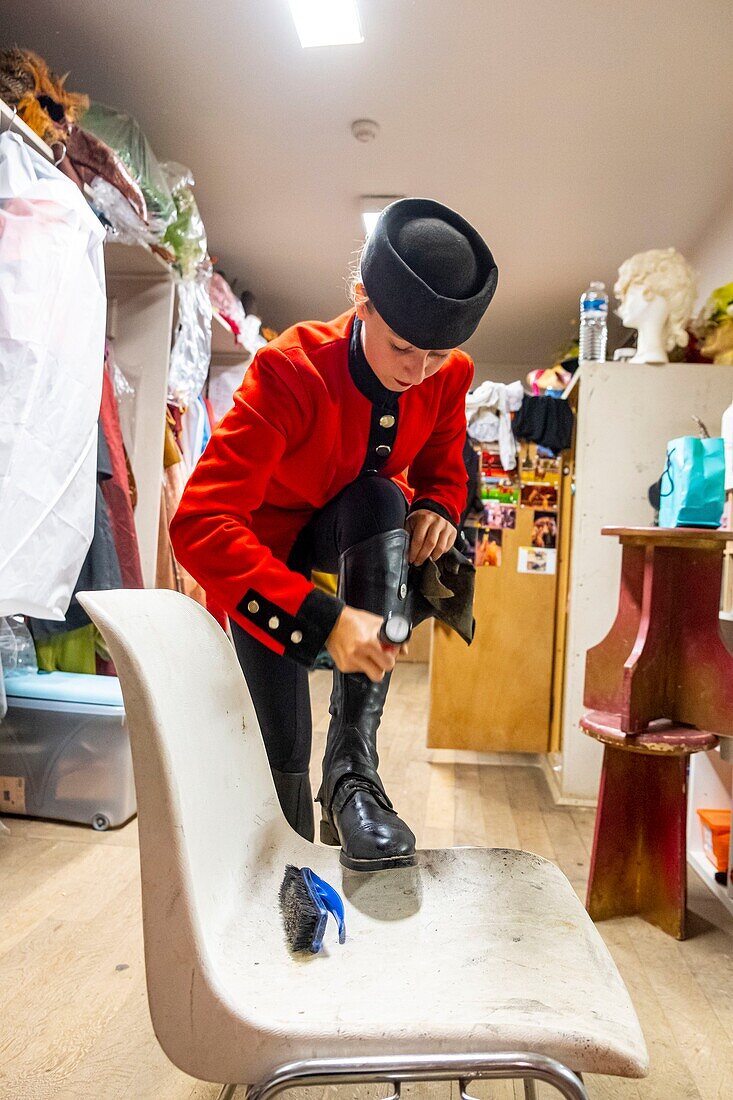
x,y
308,419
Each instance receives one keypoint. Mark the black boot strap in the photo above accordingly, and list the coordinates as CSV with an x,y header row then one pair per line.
x,y
351,785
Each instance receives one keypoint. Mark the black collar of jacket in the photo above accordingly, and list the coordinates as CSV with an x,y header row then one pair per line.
x,y
364,377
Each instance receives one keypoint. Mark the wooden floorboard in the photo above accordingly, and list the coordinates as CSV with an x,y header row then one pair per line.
x,y
74,1015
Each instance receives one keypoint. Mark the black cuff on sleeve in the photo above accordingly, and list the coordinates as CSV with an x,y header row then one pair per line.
x,y
432,506
315,620
302,635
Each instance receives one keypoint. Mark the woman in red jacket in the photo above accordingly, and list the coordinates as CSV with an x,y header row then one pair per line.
x,y
342,453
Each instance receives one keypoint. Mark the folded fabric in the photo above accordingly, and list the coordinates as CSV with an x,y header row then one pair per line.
x,y
74,651
488,410
547,421
91,158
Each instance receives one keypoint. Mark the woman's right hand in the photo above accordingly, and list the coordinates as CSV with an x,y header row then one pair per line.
x,y
355,646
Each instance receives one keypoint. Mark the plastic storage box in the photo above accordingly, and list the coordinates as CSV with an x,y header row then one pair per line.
x,y
715,826
65,751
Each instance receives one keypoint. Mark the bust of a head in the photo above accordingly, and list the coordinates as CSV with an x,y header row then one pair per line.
x,y
656,291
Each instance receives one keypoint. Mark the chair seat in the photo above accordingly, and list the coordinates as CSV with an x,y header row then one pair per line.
x,y
661,738
471,951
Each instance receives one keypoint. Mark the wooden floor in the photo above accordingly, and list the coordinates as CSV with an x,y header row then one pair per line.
x,y
74,1020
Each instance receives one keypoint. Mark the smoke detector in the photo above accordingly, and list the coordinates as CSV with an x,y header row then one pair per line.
x,y
365,129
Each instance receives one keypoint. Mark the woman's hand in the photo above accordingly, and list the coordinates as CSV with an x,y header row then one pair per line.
x,y
355,646
431,536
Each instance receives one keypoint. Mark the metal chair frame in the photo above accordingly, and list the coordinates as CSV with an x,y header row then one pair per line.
x,y
398,1069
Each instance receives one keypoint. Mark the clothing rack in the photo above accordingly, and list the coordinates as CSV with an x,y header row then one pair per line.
x,y
9,120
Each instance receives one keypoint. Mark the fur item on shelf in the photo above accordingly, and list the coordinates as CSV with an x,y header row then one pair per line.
x,y
26,82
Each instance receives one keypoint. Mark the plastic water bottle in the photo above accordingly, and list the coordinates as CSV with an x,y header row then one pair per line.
x,y
593,323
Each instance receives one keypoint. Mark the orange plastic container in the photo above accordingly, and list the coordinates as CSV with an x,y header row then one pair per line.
x,y
716,836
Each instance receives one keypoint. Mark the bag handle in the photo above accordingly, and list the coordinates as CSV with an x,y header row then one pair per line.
x,y
668,472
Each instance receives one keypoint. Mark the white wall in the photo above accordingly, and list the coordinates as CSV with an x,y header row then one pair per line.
x,y
501,372
713,257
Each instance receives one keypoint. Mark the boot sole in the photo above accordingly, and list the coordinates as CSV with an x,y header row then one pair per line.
x,y
385,864
330,836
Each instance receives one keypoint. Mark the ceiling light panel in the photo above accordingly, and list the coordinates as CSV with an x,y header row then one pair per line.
x,y
326,22
371,206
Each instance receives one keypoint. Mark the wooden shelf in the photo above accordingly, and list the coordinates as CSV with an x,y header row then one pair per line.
x,y
10,121
134,261
700,863
710,787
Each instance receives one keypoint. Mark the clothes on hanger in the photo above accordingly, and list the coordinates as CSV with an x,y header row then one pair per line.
x,y
52,326
116,490
195,433
547,421
101,567
488,413
169,572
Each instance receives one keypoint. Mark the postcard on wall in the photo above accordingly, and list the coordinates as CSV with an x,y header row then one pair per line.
x,y
540,466
500,516
544,530
537,561
488,547
502,492
540,496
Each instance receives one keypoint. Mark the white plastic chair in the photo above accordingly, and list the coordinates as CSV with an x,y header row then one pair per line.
x,y
476,963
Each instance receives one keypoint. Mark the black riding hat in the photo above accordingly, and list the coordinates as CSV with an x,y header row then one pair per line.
x,y
428,273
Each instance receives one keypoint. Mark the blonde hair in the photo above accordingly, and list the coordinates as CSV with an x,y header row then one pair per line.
x,y
353,282
664,272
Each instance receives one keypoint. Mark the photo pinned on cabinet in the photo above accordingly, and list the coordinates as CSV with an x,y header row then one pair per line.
x,y
536,561
544,530
540,496
499,516
488,547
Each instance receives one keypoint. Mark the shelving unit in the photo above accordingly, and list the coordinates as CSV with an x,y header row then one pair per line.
x,y
141,298
626,416
710,787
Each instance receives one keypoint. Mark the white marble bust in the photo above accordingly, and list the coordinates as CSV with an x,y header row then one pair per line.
x,y
656,291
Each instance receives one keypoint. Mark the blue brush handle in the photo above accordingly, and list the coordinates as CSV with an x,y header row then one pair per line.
x,y
330,898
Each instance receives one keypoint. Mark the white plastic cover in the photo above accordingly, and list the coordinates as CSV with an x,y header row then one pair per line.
x,y
52,322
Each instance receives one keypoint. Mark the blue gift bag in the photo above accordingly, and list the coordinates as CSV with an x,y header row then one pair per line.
x,y
693,484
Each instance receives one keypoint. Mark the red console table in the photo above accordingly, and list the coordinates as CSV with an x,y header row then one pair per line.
x,y
659,687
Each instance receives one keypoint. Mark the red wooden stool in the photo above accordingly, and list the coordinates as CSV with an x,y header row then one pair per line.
x,y
660,687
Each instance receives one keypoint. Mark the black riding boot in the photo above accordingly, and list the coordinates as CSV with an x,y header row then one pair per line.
x,y
296,799
357,814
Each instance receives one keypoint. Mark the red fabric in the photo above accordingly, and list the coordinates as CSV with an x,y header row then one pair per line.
x,y
116,491
296,436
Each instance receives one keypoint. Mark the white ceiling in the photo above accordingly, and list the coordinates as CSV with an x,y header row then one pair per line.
x,y
571,133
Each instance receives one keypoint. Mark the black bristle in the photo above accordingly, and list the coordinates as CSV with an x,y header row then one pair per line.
x,y
300,916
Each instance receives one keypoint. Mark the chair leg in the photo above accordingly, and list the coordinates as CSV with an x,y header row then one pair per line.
x,y
639,860
227,1093
448,1067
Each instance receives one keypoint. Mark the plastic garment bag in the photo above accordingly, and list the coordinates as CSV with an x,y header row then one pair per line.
x,y
52,323
191,351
